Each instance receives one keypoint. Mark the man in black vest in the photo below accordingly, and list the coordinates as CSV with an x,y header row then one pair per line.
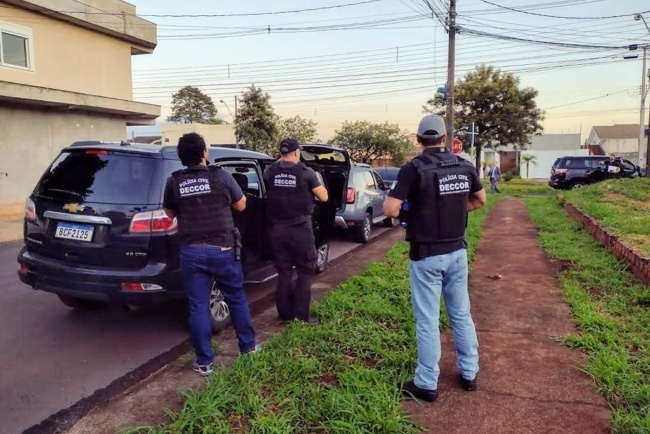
x,y
441,189
291,190
201,198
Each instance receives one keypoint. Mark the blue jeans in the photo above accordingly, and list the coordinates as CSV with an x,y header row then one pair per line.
x,y
446,274
199,266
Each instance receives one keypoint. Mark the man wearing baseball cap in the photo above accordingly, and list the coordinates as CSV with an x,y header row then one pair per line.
x,y
441,189
290,203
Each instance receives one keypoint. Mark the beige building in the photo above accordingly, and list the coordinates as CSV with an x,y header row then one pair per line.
x,y
213,134
621,139
65,75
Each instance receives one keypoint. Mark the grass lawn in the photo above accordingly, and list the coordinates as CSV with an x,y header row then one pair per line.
x,y
339,376
523,187
623,206
610,306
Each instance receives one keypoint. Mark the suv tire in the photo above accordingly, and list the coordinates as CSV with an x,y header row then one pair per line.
x,y
81,304
577,184
362,233
219,311
322,257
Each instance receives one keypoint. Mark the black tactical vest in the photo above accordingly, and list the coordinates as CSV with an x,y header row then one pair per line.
x,y
204,214
439,209
290,200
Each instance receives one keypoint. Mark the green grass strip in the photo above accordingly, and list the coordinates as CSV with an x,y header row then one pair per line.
x,y
338,377
623,206
610,307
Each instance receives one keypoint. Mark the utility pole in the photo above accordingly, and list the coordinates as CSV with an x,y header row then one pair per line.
x,y
644,94
451,66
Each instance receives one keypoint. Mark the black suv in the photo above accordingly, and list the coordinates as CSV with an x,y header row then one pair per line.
x,y
95,231
576,172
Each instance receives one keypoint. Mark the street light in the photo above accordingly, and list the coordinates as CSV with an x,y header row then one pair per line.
x,y
224,103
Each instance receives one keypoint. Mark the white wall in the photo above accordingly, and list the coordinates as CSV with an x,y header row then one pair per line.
x,y
545,160
213,134
31,139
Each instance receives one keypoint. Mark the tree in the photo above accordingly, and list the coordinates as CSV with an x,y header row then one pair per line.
x,y
190,105
504,112
367,141
301,129
528,159
256,122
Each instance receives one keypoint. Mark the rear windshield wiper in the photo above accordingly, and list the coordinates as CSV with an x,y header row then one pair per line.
x,y
59,190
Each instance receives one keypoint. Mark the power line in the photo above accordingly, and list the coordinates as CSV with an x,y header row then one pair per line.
x,y
587,100
557,16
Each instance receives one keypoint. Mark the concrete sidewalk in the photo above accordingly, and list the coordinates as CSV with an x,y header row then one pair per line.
x,y
11,229
528,382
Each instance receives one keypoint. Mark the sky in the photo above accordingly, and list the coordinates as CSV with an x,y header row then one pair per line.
x,y
381,60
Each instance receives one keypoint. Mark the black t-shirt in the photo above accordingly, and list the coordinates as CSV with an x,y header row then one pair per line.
x,y
406,188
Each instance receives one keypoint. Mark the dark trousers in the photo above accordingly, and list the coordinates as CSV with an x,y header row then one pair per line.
x,y
294,246
199,266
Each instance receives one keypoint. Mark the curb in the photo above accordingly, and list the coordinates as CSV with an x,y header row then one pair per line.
x,y
66,418
639,264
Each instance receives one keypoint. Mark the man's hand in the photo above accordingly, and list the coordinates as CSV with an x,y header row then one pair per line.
x,y
240,205
476,200
392,207
170,213
321,193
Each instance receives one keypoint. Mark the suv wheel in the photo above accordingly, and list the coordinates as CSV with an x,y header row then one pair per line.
x,y
363,232
322,257
81,304
219,311
577,184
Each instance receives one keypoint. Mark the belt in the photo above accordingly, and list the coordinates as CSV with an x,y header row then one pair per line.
x,y
223,249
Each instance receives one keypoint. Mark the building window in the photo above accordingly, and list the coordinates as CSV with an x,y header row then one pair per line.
x,y
16,47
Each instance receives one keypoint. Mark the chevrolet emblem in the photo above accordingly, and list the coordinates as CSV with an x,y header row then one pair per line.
x,y
73,207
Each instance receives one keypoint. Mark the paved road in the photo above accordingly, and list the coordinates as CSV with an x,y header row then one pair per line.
x,y
51,356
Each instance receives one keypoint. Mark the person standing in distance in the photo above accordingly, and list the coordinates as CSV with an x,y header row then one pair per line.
x,y
291,189
441,189
495,177
202,198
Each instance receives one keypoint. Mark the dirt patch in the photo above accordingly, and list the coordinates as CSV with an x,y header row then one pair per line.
x,y
329,381
528,383
562,266
597,293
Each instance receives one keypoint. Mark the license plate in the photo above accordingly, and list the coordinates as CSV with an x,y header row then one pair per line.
x,y
71,231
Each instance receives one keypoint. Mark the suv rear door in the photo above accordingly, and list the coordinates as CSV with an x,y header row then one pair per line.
x,y
85,203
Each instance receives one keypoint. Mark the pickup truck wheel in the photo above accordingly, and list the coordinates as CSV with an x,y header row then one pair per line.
x,y
577,184
322,257
362,233
219,311
78,303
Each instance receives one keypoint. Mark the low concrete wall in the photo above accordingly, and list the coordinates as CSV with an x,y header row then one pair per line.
x,y
30,141
639,264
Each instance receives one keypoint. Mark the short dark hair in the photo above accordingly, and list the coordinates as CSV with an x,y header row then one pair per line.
x,y
191,147
430,142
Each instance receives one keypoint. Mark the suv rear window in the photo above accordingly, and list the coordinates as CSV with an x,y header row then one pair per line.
x,y
99,176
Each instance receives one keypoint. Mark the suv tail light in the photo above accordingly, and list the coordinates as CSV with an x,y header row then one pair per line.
x,y
30,210
351,195
561,171
153,222
140,287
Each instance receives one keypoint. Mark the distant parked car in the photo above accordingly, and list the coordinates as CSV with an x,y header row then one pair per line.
x,y
576,172
357,190
389,175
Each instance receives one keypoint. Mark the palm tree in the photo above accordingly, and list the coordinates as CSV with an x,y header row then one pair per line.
x,y
528,158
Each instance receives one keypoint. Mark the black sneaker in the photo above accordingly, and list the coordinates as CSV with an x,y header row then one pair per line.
x,y
409,389
468,385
